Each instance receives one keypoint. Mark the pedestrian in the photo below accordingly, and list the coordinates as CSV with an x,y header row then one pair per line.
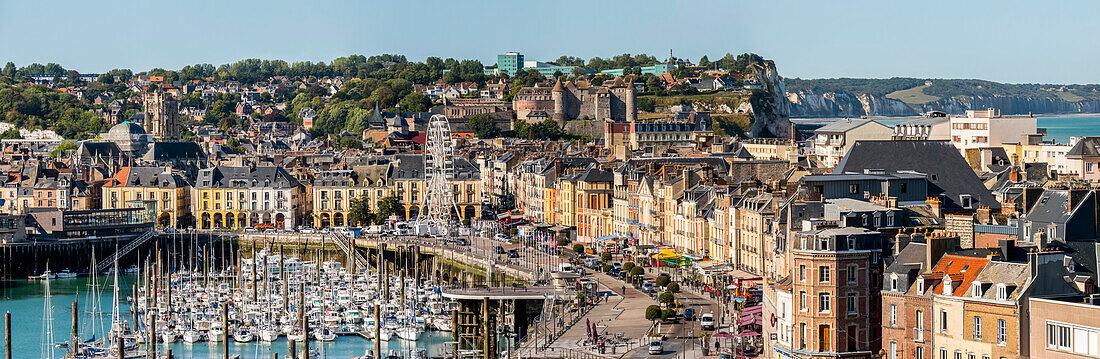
x,y
624,290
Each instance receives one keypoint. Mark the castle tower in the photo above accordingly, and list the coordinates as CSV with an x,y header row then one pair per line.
x,y
161,116
558,95
628,99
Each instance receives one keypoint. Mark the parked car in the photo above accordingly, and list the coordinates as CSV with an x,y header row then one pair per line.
x,y
647,286
501,237
461,241
617,265
656,347
707,321
512,253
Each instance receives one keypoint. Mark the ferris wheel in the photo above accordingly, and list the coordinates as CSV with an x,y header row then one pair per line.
x,y
438,174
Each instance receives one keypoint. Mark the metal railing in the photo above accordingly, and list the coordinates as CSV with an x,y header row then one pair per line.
x,y
129,247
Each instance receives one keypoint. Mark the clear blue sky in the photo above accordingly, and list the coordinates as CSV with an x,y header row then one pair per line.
x,y
1008,41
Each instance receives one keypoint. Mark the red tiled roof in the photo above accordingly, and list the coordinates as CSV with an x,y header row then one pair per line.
x,y
961,270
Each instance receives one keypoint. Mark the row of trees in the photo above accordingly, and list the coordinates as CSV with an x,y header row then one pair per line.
x,y
359,213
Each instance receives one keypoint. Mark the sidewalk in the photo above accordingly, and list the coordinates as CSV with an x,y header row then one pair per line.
x,y
617,315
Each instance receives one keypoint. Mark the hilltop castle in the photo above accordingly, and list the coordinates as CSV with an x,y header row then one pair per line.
x,y
568,100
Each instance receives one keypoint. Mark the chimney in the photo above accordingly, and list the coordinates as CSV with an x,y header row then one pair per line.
x,y
891,202
1076,195
1006,248
936,246
936,205
901,240
1013,174
983,215
1031,196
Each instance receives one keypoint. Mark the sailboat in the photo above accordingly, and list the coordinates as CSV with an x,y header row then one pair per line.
x,y
47,323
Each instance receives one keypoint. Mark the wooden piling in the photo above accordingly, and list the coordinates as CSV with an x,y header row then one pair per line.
x,y
377,330
225,330
76,333
121,347
292,353
7,335
153,335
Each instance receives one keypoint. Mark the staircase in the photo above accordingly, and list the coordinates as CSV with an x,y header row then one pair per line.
x,y
129,247
347,245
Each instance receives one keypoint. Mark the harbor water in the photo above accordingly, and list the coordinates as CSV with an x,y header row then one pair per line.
x,y
25,299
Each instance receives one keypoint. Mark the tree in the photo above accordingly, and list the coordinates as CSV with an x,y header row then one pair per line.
x,y
562,242
662,280
605,256
11,134
483,125
62,149
606,268
646,104
9,69
387,207
578,248
668,314
628,266
666,297
704,61
673,287
652,313
351,142
359,211
415,102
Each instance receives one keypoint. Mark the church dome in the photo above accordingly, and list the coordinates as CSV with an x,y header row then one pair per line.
x,y
125,130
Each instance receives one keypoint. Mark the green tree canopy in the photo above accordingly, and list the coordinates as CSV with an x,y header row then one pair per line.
x,y
388,206
62,149
415,102
483,125
653,312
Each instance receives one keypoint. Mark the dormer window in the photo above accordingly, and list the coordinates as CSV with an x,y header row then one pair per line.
x,y
894,282
1002,291
976,289
920,285
947,285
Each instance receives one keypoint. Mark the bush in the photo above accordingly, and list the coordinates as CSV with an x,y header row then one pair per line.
x,y
668,314
652,312
637,271
662,280
578,248
605,256
628,266
607,268
562,242
666,298
673,287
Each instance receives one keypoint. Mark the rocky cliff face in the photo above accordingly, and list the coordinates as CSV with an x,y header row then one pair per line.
x,y
771,111
842,104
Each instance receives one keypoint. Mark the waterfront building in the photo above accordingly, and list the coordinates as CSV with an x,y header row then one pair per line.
x,y
169,191
247,197
334,190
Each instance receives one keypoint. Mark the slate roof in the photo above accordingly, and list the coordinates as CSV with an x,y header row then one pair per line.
x,y
1014,275
174,151
948,172
244,177
913,253
844,125
146,177
1051,207
1085,147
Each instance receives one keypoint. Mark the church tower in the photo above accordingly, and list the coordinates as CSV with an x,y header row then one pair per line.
x,y
161,116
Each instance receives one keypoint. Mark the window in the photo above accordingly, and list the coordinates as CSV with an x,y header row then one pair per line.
x,y
894,282
852,271
851,243
919,335
802,273
904,187
823,274
1071,338
853,188
943,353
893,350
893,314
853,303
1002,292
823,244
919,354
943,321
977,328
971,356
824,304
802,301
958,354
802,336
1088,166
1002,332
920,285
